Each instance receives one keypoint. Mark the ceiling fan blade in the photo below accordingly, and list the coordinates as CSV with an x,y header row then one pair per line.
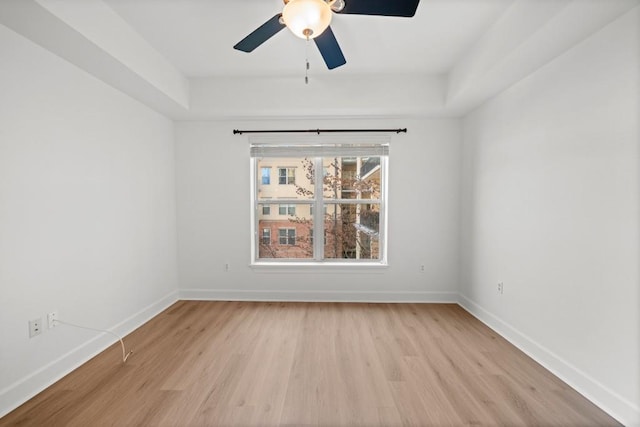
x,y
330,49
261,34
406,8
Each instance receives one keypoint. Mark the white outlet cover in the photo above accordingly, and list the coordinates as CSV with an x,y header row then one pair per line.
x,y
51,318
35,327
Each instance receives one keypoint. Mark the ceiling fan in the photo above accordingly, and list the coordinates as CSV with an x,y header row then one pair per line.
x,y
310,19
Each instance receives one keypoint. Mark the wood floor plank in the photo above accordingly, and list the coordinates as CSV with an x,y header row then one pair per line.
x,y
311,364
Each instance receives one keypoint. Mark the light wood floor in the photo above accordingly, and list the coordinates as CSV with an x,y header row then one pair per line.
x,y
296,364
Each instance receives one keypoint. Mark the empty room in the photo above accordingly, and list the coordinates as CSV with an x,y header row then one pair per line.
x,y
172,255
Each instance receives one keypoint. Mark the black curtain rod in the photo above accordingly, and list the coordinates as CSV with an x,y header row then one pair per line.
x,y
319,131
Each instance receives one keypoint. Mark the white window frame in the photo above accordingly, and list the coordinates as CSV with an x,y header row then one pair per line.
x,y
364,146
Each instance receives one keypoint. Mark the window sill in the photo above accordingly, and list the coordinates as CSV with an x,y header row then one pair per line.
x,y
319,267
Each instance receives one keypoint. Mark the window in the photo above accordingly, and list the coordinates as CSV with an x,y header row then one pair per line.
x,y
266,176
266,236
289,210
349,201
286,176
287,236
266,209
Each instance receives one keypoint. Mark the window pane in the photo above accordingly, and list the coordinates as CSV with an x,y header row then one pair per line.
x,y
351,177
287,210
266,176
266,236
291,234
282,236
352,231
263,210
287,176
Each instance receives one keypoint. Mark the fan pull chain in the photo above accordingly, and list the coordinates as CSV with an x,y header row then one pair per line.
x,y
306,54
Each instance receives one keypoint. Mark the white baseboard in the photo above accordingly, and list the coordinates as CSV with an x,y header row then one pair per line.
x,y
615,405
318,296
19,392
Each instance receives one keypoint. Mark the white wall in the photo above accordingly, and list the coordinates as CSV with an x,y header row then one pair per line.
x,y
550,207
364,95
87,214
214,226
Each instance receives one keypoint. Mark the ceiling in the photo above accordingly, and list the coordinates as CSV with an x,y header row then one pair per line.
x,y
177,56
197,36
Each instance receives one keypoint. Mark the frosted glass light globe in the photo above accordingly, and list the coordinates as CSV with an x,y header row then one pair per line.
x,y
307,18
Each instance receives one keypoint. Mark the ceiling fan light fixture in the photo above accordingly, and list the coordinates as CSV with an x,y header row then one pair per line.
x,y
307,18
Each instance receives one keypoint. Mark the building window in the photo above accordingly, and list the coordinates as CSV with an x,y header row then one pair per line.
x,y
349,201
289,210
287,236
266,236
265,173
286,176
266,209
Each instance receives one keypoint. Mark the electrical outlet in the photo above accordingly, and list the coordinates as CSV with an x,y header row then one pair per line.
x,y
422,267
35,327
226,266
51,319
501,288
